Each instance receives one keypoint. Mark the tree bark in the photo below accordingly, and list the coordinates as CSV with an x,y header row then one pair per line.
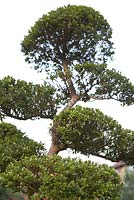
x,y
56,147
69,82
71,103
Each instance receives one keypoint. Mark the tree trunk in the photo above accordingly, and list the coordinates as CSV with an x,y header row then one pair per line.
x,y
68,79
71,103
56,147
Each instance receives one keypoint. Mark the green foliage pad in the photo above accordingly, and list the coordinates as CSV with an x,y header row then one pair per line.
x,y
15,145
58,178
72,34
89,131
22,100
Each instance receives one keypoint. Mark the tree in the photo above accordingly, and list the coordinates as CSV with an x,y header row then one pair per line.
x,y
72,45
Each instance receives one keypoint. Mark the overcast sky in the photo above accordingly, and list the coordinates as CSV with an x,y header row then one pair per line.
x,y
16,17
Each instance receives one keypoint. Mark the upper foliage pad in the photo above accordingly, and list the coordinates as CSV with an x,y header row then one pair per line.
x,y
74,34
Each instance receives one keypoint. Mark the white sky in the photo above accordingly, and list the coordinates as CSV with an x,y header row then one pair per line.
x,y
16,17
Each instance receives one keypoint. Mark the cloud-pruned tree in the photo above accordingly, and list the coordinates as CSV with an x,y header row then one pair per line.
x,y
72,46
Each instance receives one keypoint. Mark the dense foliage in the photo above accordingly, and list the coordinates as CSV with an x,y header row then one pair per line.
x,y
57,178
22,100
75,34
89,131
15,145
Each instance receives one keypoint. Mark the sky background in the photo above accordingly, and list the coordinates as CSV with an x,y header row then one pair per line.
x,y
16,17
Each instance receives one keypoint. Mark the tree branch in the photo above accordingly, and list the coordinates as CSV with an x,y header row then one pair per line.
x,y
55,149
99,98
71,103
104,157
70,85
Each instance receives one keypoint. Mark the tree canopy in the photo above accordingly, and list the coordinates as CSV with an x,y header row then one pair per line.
x,y
72,34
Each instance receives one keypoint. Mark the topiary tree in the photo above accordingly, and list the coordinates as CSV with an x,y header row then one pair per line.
x,y
72,45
